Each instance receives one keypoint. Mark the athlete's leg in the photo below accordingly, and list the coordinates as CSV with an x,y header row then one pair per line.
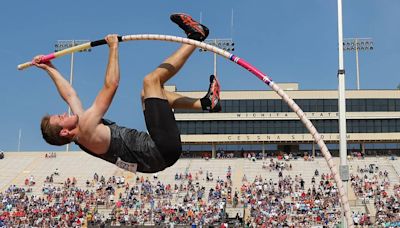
x,y
178,101
160,120
153,82
210,102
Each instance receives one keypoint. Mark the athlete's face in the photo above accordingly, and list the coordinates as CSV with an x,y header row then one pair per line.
x,y
64,121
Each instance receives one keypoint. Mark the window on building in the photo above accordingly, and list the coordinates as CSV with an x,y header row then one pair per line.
x,y
235,127
243,128
353,126
397,105
381,104
285,107
377,125
271,106
292,127
221,127
250,106
264,105
330,105
242,105
391,105
384,126
370,106
363,125
183,126
370,127
213,127
228,104
235,106
250,127
313,106
257,105
205,125
191,127
228,127
319,105
392,125
257,127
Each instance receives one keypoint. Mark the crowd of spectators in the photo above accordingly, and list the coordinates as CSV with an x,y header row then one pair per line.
x,y
290,204
57,208
197,197
372,185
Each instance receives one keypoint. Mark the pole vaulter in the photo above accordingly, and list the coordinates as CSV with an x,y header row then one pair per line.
x,y
267,80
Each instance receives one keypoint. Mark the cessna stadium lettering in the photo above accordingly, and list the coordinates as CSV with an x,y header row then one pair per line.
x,y
280,137
286,114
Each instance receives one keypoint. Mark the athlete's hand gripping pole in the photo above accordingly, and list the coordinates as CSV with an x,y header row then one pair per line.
x,y
54,55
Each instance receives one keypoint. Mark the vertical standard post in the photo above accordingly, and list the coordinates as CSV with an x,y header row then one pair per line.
x,y
263,150
215,58
343,168
19,139
313,149
215,65
213,151
358,69
71,75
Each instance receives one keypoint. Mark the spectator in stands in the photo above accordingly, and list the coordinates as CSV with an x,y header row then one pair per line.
x,y
31,180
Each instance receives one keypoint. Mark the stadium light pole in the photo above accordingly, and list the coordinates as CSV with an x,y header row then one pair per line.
x,y
343,168
61,45
19,139
358,44
227,45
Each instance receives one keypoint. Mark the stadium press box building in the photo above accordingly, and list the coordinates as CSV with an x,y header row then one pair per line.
x,y
260,122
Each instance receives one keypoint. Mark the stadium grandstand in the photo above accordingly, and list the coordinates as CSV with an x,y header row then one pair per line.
x,y
263,170
75,189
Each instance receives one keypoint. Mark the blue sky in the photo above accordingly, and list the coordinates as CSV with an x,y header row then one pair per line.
x,y
289,40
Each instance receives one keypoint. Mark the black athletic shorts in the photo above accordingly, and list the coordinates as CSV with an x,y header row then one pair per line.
x,y
163,130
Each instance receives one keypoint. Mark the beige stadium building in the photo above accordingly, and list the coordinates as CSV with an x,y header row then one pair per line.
x,y
260,122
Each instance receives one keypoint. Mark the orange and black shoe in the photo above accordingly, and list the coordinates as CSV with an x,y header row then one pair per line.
x,y
193,29
211,101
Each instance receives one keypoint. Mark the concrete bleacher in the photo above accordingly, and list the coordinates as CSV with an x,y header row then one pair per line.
x,y
302,168
383,163
17,166
396,167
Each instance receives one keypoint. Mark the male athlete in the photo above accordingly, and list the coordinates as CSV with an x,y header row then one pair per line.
x,y
128,148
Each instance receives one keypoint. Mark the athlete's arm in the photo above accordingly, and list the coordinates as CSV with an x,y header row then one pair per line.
x,y
111,81
65,90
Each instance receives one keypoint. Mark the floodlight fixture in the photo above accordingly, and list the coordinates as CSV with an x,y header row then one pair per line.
x,y
358,44
224,44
